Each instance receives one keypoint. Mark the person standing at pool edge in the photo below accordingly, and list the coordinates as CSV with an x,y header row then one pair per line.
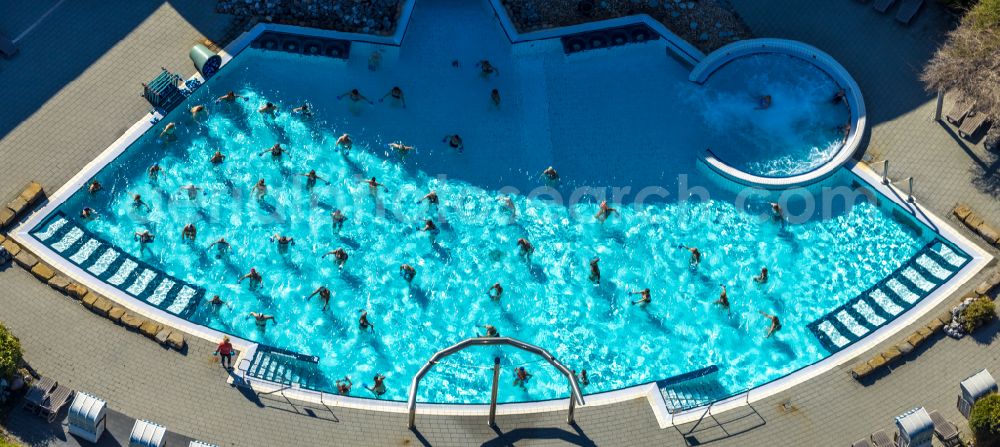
x,y
225,352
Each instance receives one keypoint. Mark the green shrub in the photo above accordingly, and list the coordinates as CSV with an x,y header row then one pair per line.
x,y
984,420
978,313
10,353
985,15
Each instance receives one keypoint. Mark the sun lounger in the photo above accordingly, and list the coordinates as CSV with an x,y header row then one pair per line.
x,y
945,430
36,395
960,110
881,439
7,48
971,125
54,402
883,5
907,10
862,443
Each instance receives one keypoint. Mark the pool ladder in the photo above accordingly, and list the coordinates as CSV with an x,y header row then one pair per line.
x,y
909,181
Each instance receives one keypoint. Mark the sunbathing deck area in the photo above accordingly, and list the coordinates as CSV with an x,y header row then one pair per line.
x,y
74,92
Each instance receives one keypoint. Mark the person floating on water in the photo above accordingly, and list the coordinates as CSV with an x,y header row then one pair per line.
x,y
401,149
431,198
231,96
340,255
363,322
407,272
397,94
344,386
455,142
217,157
521,377
137,202
526,248
168,132
723,298
189,233
88,213
645,297
763,102
491,331
276,151
604,212
762,277
192,191
154,171
550,174
259,189
775,324
374,185
223,245
495,292
311,178
253,276
94,187
595,271
344,143
378,389
283,242
487,68
495,97
355,96
261,319
303,110
197,111
268,108
324,295
144,237
338,218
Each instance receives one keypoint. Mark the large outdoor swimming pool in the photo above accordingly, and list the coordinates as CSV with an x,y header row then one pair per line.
x,y
616,118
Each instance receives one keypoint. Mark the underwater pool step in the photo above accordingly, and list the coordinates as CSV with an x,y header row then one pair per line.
x,y
284,367
930,267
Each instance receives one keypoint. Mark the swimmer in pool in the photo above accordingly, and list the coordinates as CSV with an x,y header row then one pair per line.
x,y
455,142
550,174
311,178
344,386
268,108
431,229
192,191
775,324
495,97
776,211
154,171
487,68
228,97
189,233
197,111
595,271
378,389
324,295
216,301
584,380
276,151
338,218
526,248
763,102
340,255
762,277
253,276
355,96
223,246
363,322
397,94
303,110
839,96
645,297
509,204
521,377
144,237
137,202
401,149
431,198
283,242
407,272
495,292
168,132
344,143
695,255
88,214
723,298
375,60
261,319
491,331
217,157
604,212
845,130
259,189
373,186
94,187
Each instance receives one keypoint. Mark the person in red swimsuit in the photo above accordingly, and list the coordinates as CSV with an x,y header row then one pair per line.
x,y
225,353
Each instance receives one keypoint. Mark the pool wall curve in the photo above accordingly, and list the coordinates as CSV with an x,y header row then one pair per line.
x,y
736,50
649,391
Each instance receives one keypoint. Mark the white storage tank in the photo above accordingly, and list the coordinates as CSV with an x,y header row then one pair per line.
x,y
87,417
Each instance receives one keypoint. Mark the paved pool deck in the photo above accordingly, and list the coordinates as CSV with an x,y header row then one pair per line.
x,y
72,91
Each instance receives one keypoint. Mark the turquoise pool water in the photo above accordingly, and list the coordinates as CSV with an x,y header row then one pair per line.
x,y
574,113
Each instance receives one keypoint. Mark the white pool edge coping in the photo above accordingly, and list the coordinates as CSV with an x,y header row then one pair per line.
x,y
649,391
858,114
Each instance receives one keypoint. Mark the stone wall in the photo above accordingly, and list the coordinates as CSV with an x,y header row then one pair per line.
x,y
377,17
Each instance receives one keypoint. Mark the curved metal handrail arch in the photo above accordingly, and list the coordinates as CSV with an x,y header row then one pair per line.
x,y
575,394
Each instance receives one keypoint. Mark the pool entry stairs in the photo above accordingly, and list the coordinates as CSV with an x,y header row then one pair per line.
x,y
692,389
933,265
287,368
113,266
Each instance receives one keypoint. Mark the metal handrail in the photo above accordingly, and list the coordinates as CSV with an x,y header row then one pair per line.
x,y
575,394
